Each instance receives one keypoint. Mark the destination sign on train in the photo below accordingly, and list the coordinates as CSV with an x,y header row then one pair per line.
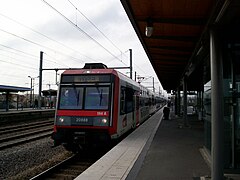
x,y
86,78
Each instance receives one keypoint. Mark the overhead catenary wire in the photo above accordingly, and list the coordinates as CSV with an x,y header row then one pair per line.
x,y
28,54
114,59
48,48
37,44
140,68
28,67
81,30
103,35
15,76
62,43
95,26
58,58
25,39
49,38
14,58
17,50
54,61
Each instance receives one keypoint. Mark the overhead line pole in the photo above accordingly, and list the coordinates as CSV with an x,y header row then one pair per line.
x,y
130,50
57,69
40,80
153,85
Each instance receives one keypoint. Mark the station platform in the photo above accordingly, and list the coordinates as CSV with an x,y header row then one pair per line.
x,y
158,149
23,110
13,115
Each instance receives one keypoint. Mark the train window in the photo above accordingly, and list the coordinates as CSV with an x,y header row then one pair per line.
x,y
122,101
97,98
126,100
140,101
71,98
129,100
146,102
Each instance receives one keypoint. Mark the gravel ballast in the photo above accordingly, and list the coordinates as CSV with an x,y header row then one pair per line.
x,y
28,160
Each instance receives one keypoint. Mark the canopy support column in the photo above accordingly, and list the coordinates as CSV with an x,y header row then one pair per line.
x,y
217,107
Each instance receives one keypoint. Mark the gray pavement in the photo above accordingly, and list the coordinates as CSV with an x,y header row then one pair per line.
x,y
118,162
174,153
157,150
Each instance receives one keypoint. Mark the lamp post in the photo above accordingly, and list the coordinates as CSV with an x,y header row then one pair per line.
x,y
153,85
31,90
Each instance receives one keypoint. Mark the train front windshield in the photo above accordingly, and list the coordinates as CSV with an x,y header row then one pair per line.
x,y
85,98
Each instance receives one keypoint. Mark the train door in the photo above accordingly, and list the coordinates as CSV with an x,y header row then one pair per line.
x,y
130,107
137,103
125,118
135,113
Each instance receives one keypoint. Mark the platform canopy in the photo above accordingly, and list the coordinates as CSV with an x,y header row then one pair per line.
x,y
4,88
9,89
179,30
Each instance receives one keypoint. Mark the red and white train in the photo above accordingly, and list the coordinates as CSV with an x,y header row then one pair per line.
x,y
98,105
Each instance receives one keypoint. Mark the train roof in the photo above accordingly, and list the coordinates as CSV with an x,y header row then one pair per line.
x,y
100,71
90,71
99,68
110,71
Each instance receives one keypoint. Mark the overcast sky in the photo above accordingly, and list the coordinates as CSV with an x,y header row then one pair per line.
x,y
70,33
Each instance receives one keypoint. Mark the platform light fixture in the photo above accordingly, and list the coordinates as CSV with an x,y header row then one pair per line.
x,y
149,28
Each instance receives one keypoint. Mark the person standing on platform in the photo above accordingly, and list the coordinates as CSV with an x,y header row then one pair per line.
x,y
35,104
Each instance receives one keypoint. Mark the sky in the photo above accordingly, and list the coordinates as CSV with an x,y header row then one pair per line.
x,y
70,33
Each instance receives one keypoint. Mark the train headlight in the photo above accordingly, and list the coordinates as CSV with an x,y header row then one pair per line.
x,y
100,121
104,121
63,120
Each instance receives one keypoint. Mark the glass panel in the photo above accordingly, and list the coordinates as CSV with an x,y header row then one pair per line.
x,y
71,98
238,133
231,107
97,98
129,100
236,90
85,78
122,101
207,115
228,118
228,107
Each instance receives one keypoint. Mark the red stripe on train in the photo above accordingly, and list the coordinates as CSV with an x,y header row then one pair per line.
x,y
82,113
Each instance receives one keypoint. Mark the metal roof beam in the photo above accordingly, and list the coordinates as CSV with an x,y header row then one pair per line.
x,y
175,48
183,21
175,55
176,38
170,61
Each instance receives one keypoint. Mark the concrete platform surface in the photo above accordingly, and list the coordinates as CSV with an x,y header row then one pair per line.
x,y
174,153
118,162
157,150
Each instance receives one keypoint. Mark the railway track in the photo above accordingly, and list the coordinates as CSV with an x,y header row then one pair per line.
x,y
15,135
23,127
71,167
